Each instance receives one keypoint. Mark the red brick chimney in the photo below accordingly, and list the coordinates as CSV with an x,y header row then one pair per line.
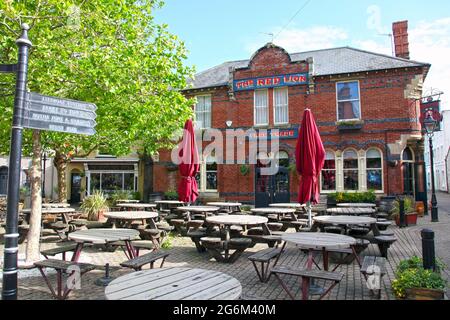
x,y
400,31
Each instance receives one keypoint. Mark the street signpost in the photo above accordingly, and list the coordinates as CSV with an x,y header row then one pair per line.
x,y
34,111
58,114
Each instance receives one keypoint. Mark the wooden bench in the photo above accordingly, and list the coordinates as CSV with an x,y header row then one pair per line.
x,y
306,276
384,242
63,267
383,225
148,258
264,257
373,267
59,250
195,236
137,245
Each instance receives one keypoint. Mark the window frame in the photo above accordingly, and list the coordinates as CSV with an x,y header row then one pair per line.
x,y
267,108
358,169
275,106
203,112
382,168
348,100
203,175
335,174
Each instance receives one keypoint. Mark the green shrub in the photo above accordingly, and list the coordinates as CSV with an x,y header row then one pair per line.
x,y
409,205
167,243
353,197
171,195
411,274
120,195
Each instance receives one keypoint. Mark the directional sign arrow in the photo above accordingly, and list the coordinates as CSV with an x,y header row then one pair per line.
x,y
56,119
60,111
42,125
61,102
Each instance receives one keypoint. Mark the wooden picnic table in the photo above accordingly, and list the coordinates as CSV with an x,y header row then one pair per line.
x,y
64,212
125,218
127,201
351,211
278,211
234,220
137,206
205,210
56,205
357,205
177,283
346,221
104,236
228,206
292,205
311,241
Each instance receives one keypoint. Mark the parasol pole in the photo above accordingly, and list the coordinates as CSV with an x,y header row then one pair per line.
x,y
309,210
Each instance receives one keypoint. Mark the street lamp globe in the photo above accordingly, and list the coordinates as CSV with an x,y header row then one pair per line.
x,y
429,124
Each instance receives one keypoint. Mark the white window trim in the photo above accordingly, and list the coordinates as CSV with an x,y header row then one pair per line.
x,y
274,106
203,184
203,112
358,168
382,169
335,175
337,101
88,174
254,108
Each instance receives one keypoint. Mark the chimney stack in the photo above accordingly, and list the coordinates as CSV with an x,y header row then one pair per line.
x,y
400,31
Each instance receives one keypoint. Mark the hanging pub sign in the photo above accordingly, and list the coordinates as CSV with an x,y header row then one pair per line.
x,y
271,81
435,108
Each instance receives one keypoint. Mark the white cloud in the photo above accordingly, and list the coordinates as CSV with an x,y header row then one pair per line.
x,y
299,40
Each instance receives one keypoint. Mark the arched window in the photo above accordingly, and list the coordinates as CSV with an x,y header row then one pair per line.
x,y
408,171
374,170
329,172
407,155
351,170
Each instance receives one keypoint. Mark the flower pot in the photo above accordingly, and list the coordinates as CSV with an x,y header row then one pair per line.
x,y
424,294
410,219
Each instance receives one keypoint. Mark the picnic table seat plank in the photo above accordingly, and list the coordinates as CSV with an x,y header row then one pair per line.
x,y
149,258
264,257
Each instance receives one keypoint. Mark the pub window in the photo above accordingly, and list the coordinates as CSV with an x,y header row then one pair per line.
x,y
203,112
374,170
261,107
329,172
350,170
281,109
207,176
348,101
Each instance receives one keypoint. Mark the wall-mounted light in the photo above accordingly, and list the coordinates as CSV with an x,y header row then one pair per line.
x,y
229,123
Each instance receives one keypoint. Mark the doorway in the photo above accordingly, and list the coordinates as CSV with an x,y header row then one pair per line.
x,y
75,188
3,180
408,172
272,188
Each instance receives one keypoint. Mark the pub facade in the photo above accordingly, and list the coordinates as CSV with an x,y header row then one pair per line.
x,y
366,106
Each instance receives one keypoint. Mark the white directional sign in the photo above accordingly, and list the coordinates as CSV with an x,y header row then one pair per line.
x,y
57,114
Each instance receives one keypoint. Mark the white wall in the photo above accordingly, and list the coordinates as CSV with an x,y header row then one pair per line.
x,y
441,145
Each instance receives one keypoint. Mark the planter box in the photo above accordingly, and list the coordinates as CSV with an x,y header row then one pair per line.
x,y
349,126
410,219
424,294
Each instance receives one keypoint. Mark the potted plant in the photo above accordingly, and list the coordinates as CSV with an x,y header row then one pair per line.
x,y
171,195
94,206
410,211
413,282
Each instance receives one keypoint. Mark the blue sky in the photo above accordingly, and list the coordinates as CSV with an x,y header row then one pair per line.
x,y
218,31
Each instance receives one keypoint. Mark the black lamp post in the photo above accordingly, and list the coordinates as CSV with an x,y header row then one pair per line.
x,y
43,174
430,126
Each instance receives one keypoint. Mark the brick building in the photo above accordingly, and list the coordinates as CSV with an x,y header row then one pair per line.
x,y
365,105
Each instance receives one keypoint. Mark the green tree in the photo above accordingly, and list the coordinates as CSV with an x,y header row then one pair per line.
x,y
111,53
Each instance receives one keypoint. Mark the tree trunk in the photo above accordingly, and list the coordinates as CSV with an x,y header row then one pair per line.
x,y
34,233
61,165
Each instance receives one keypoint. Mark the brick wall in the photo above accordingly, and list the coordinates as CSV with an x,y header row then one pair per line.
x,y
386,112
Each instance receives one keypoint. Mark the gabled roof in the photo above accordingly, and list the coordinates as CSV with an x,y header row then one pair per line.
x,y
326,62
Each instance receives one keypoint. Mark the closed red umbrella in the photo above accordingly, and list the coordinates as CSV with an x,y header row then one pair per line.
x,y
310,158
189,165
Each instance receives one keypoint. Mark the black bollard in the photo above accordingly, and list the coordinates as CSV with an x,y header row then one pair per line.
x,y
401,210
429,260
104,281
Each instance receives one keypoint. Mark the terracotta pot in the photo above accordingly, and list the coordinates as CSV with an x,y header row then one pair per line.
x,y
410,219
424,294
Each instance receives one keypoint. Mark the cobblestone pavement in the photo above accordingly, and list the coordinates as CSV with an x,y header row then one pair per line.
x,y
183,253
